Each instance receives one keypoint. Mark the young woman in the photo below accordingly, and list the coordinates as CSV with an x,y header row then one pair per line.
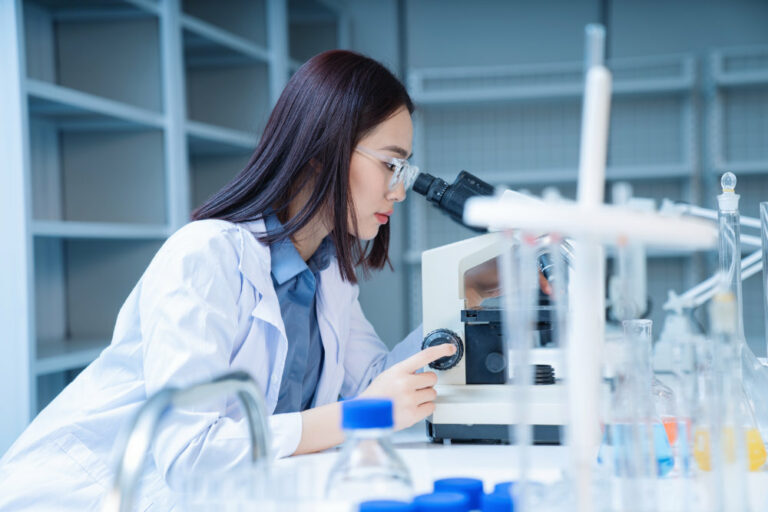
x,y
263,280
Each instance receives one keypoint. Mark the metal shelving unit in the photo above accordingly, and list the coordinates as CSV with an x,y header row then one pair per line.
x,y
107,105
519,126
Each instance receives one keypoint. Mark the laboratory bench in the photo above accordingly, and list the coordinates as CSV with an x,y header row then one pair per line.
x,y
427,461
300,479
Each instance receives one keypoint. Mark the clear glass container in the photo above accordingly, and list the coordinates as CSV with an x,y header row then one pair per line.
x,y
368,467
664,401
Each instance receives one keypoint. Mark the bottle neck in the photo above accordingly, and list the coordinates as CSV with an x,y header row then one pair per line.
x,y
368,433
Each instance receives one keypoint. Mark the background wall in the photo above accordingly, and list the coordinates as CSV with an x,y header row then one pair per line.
x,y
676,130
105,101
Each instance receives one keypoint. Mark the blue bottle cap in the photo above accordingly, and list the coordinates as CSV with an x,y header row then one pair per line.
x,y
472,487
366,413
385,506
441,502
497,502
504,487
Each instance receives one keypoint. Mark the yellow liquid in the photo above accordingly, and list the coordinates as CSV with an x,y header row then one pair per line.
x,y
756,453
701,449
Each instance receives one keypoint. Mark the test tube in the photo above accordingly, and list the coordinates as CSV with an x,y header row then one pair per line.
x,y
729,242
684,365
629,430
764,236
520,285
732,422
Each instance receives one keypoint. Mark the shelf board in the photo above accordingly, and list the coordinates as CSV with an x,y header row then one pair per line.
x,y
543,82
554,176
208,139
77,110
573,91
60,355
497,94
99,10
742,167
207,44
100,230
734,79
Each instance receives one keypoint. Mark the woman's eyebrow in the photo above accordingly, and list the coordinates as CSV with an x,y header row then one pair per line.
x,y
397,149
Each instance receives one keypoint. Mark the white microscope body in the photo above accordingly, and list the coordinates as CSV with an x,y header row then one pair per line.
x,y
465,409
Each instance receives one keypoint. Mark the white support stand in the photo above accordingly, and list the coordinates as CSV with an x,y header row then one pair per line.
x,y
591,225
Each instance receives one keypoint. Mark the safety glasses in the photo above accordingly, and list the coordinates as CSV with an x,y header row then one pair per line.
x,y
402,171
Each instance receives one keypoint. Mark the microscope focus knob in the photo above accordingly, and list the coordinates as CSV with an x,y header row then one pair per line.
x,y
439,337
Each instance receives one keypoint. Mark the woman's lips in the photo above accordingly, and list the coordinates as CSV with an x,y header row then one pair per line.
x,y
383,219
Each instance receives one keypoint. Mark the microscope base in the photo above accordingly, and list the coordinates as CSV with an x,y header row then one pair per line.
x,y
489,434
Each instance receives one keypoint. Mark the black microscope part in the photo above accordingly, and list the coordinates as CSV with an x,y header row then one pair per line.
x,y
440,337
450,199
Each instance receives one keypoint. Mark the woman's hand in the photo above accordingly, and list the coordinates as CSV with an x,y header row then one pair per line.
x,y
412,393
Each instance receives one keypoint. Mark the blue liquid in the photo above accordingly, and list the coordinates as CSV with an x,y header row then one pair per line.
x,y
618,444
665,461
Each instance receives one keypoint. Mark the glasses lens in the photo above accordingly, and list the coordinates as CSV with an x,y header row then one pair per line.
x,y
397,177
404,173
411,175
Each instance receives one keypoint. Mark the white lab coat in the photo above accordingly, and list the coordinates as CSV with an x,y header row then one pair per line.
x,y
205,306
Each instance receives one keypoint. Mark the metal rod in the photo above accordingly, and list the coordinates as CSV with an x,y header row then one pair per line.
x,y
142,431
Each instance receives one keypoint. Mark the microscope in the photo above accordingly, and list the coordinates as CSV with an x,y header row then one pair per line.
x,y
461,306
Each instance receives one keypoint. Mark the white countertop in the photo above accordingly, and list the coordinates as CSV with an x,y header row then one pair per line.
x,y
305,475
299,481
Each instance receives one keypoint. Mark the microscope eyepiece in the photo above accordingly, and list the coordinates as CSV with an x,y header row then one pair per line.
x,y
423,182
451,198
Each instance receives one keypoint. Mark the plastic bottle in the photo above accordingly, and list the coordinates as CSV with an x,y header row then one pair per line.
x,y
441,502
497,502
504,488
368,467
472,488
385,506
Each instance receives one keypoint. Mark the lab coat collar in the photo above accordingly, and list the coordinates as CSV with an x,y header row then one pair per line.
x,y
334,298
255,265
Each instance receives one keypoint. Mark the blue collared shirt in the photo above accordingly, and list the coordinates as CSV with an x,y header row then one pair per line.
x,y
295,283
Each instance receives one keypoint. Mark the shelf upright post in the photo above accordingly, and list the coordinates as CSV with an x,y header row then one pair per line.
x,y
17,347
174,105
277,47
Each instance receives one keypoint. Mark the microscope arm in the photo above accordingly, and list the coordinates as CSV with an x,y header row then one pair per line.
x,y
702,292
670,207
705,290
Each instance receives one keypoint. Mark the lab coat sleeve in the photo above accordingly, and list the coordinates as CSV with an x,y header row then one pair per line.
x,y
189,316
366,355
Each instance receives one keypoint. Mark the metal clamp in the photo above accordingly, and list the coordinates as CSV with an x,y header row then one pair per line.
x,y
142,430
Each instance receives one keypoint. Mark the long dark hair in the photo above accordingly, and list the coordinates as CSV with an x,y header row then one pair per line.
x,y
329,104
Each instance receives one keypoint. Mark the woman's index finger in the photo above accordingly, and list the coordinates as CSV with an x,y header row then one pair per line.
x,y
426,356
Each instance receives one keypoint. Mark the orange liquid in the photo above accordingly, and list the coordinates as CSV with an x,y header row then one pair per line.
x,y
670,426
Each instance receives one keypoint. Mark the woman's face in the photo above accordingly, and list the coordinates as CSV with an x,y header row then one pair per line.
x,y
369,178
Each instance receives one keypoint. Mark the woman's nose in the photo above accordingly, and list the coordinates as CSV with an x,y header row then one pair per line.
x,y
397,193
